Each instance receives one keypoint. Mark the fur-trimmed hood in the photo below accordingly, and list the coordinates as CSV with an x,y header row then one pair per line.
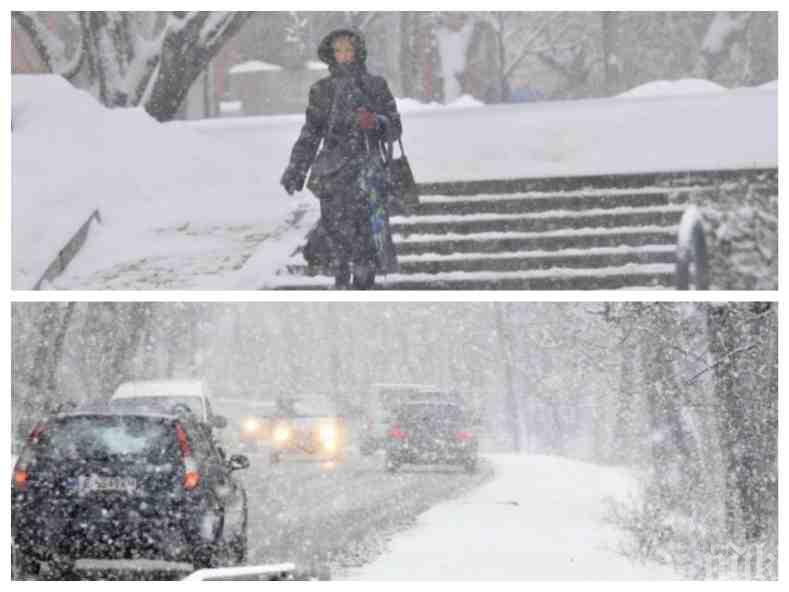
x,y
326,47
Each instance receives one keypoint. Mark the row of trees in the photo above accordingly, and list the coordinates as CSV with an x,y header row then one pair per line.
x,y
152,59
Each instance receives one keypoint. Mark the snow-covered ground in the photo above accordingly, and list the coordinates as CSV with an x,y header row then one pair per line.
x,y
540,518
198,204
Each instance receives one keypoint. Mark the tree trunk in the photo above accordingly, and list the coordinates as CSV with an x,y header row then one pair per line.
x,y
611,59
507,355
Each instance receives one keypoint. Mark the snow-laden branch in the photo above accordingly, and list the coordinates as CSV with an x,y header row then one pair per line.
x,y
527,44
727,358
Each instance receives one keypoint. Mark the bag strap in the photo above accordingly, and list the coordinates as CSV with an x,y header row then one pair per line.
x,y
332,111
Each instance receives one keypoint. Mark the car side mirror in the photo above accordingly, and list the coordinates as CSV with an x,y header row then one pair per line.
x,y
219,421
237,462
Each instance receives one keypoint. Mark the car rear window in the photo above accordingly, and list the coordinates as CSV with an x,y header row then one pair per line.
x,y
430,412
87,437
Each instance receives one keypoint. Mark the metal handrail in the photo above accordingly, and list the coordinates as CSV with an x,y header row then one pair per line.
x,y
67,253
691,252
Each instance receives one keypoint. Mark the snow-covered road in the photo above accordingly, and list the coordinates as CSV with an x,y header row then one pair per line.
x,y
339,516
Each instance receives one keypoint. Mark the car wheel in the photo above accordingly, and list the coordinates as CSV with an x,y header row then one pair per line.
x,y
275,457
239,544
203,556
238,548
24,565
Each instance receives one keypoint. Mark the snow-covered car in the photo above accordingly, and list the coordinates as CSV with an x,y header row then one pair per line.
x,y
431,432
192,394
102,483
308,425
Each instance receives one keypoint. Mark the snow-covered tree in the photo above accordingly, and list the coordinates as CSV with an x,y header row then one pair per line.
x,y
134,58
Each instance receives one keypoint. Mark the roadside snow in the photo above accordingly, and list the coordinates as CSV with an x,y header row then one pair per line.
x,y
541,518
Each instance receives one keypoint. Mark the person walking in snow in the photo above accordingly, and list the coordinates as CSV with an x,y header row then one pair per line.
x,y
350,113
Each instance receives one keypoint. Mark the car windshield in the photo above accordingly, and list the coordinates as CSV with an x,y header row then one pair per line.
x,y
92,437
166,404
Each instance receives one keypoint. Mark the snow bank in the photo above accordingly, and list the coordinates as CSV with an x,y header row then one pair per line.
x,y
663,88
163,190
541,518
647,133
70,156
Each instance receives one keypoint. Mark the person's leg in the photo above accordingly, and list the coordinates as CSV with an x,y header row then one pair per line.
x,y
333,214
363,249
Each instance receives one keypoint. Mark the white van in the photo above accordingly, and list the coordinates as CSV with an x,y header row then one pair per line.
x,y
193,394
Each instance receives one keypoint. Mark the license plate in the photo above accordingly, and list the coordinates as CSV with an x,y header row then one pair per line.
x,y
98,484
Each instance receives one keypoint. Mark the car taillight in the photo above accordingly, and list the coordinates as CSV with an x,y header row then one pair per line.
x,y
192,475
465,435
397,433
21,474
20,479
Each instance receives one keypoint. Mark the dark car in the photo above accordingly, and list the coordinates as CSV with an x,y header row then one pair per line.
x,y
109,483
430,433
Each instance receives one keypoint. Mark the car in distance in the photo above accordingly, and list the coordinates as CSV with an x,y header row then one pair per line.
x,y
431,432
382,398
307,426
109,483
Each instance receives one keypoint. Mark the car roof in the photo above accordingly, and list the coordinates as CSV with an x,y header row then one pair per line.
x,y
160,388
111,408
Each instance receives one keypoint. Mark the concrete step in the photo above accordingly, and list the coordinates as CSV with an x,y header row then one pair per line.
x,y
498,242
539,222
655,275
518,261
535,201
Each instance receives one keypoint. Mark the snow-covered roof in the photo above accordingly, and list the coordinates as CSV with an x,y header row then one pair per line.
x,y
255,66
160,388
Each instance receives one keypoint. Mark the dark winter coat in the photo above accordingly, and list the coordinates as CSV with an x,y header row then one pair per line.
x,y
331,116
332,125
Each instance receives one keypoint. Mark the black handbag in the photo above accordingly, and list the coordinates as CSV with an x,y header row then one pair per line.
x,y
404,190
326,174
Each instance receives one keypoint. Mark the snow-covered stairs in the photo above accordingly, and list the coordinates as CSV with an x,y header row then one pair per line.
x,y
606,232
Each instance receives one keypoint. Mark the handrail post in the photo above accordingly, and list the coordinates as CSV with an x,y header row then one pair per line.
x,y
691,249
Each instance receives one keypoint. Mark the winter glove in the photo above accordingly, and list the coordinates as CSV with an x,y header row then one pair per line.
x,y
292,180
366,119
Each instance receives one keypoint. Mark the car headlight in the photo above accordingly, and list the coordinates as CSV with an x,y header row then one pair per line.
x,y
282,433
327,434
250,425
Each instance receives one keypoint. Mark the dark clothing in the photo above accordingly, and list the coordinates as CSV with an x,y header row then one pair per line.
x,y
333,124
